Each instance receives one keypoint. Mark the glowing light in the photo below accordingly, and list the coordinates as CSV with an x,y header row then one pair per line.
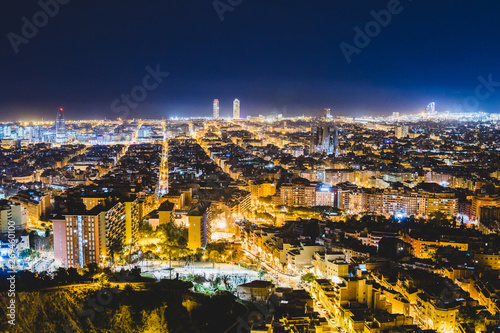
x,y
221,224
400,215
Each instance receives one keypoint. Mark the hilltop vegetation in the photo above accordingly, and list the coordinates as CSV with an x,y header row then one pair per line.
x,y
166,306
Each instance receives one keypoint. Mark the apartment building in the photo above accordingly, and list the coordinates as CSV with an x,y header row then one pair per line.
x,y
298,195
37,204
76,240
483,200
12,212
88,236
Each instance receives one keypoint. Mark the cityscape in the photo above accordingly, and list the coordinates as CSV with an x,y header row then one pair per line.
x,y
353,200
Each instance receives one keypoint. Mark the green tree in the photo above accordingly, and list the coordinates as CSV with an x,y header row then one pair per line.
x,y
116,251
439,219
308,278
173,243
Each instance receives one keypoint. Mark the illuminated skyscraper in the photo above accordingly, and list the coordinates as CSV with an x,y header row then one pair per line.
x,y
236,109
431,109
216,109
328,113
60,127
163,178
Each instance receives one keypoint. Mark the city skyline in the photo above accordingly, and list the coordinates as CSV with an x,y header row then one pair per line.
x,y
229,112
394,72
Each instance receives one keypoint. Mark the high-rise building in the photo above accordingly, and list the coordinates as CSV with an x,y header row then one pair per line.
x,y
324,139
395,115
216,109
328,113
163,177
76,240
236,109
401,131
7,132
87,236
431,109
60,127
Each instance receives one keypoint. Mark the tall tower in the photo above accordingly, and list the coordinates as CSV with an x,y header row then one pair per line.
x,y
236,109
162,188
328,113
216,109
60,127
431,109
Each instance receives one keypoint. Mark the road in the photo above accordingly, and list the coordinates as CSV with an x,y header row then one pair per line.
x,y
295,282
281,279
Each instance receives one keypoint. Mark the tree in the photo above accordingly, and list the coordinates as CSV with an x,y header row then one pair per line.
x,y
266,200
308,278
470,315
155,322
216,251
173,243
29,253
122,320
92,269
116,250
439,219
145,229
61,275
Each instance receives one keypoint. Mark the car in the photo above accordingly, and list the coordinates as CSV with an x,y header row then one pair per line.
x,y
324,311
318,303
332,321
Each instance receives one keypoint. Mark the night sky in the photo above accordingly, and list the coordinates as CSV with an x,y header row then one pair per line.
x,y
271,54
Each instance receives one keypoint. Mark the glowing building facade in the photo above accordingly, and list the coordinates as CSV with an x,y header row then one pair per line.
x,y
216,109
60,127
236,109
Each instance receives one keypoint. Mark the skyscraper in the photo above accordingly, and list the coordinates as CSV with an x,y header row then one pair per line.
x,y
328,113
216,109
236,109
60,127
431,109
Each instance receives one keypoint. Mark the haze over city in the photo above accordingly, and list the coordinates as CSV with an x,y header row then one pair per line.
x,y
270,54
